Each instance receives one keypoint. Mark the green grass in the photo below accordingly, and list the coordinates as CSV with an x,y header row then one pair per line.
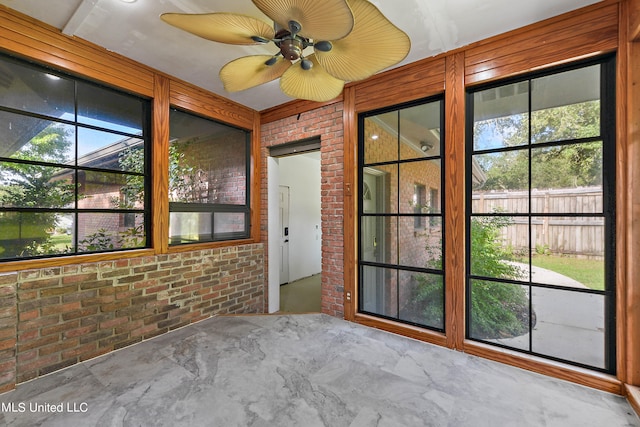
x,y
589,272
61,241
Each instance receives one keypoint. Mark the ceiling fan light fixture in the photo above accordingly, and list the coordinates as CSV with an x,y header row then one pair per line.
x,y
352,40
294,27
291,48
271,61
259,39
323,46
306,64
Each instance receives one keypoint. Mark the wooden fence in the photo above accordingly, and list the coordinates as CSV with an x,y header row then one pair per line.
x,y
565,235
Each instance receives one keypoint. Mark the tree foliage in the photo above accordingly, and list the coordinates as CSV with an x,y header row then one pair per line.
x,y
557,166
498,310
27,185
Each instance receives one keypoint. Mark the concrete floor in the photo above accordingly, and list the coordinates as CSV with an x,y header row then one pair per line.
x,y
301,296
302,370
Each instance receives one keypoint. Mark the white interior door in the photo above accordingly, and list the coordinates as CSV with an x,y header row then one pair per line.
x,y
284,234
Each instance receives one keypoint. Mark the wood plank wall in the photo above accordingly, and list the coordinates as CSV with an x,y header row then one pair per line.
x,y
587,32
629,176
24,37
577,35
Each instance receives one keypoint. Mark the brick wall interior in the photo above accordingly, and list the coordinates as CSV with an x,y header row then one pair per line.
x,y
325,122
55,317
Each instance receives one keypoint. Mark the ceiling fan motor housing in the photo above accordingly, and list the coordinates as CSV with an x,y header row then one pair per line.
x,y
291,48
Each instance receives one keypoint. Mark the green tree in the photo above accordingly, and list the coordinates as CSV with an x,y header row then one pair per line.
x,y
498,310
561,166
27,185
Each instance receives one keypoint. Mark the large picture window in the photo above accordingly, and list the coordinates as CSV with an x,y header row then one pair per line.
x,y
400,214
73,170
540,204
208,180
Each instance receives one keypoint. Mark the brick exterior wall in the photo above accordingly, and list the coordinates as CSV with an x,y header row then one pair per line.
x,y
404,242
55,317
221,160
325,122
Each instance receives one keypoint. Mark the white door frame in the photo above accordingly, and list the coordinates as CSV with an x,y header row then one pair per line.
x,y
273,230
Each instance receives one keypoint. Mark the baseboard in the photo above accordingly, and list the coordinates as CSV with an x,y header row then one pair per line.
x,y
633,395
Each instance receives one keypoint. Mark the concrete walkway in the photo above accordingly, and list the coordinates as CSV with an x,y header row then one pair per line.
x,y
570,325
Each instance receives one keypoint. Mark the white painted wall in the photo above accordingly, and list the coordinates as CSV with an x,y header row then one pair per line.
x,y
301,173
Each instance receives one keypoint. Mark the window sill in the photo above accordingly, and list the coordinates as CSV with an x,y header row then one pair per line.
x,y
32,264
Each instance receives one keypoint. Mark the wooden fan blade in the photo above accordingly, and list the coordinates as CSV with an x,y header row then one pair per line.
x,y
250,71
320,20
314,84
228,28
373,45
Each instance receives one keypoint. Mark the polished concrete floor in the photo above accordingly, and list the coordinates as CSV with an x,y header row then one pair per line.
x,y
302,370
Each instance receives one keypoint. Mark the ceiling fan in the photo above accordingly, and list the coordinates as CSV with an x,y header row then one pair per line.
x,y
350,40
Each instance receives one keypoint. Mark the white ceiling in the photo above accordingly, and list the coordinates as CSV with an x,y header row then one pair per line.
x,y
135,31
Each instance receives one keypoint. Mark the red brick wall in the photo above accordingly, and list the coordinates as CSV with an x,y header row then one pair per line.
x,y
411,243
55,317
325,122
222,159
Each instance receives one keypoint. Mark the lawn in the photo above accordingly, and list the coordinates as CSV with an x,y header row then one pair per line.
x,y
589,272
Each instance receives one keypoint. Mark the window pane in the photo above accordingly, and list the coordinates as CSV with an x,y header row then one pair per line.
x,y
40,170
566,105
379,239
576,168
422,249
29,138
107,150
501,116
225,223
27,234
500,247
380,189
190,227
208,161
103,190
379,291
425,173
500,313
501,182
28,89
420,131
422,299
34,186
109,231
98,106
574,245
569,325
381,138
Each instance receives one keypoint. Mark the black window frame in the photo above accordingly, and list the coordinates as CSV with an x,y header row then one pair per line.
x,y
362,165
607,135
213,208
77,123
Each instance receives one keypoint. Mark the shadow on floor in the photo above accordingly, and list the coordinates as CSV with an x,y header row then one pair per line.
x,y
301,296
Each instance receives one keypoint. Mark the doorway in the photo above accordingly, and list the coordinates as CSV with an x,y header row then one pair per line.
x,y
295,233
372,241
